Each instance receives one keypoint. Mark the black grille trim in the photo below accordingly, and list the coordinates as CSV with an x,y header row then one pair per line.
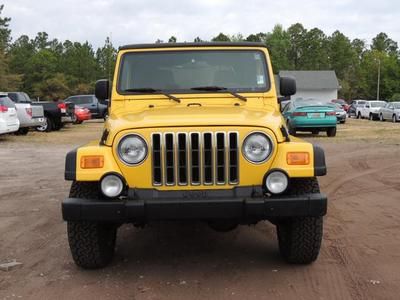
x,y
194,158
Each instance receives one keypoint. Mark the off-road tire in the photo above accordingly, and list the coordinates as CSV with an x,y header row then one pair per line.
x,y
331,132
300,237
92,244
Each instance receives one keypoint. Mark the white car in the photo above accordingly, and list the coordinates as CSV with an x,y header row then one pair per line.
x,y
8,115
370,110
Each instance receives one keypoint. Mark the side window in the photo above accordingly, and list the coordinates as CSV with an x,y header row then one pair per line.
x,y
75,100
87,99
13,97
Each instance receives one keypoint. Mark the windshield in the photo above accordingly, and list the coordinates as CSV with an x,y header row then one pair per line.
x,y
180,71
378,104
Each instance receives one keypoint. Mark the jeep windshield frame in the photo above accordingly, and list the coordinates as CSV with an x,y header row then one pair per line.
x,y
179,71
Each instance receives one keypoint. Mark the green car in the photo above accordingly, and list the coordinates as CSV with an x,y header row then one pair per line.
x,y
310,115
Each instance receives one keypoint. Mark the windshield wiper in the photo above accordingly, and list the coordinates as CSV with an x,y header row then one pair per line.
x,y
152,91
218,88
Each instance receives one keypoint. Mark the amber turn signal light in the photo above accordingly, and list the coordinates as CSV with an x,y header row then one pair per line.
x,y
92,162
298,158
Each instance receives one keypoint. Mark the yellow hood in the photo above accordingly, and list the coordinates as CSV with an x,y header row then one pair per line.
x,y
198,116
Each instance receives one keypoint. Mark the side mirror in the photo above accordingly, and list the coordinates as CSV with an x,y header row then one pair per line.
x,y
102,90
366,106
287,86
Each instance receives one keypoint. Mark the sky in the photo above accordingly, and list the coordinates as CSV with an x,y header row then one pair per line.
x,y
145,21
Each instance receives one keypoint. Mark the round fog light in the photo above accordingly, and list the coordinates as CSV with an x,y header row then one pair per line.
x,y
276,182
112,186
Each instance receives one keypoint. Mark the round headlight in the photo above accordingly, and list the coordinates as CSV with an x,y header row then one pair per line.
x,y
132,149
276,182
257,147
111,186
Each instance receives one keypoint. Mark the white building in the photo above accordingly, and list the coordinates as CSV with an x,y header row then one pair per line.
x,y
322,85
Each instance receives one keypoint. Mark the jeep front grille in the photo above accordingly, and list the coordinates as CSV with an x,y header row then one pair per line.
x,y
195,158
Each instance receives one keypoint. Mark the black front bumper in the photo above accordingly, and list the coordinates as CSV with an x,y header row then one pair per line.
x,y
236,208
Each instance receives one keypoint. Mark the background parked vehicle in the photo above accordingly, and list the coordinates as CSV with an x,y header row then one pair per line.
x,y
8,115
341,114
97,109
342,103
310,115
352,111
370,110
81,114
391,111
30,116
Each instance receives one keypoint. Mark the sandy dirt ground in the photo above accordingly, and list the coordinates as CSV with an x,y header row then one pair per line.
x,y
360,256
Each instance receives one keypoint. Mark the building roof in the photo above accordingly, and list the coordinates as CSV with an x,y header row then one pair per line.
x,y
202,44
313,80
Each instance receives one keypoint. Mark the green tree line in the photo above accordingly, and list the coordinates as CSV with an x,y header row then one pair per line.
x,y
51,69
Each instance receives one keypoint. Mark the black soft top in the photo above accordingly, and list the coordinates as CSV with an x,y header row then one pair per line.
x,y
202,44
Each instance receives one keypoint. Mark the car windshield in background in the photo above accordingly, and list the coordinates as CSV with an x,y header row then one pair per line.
x,y
181,71
313,102
378,104
340,101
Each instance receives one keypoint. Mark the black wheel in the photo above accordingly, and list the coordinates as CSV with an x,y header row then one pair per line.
x,y
394,120
331,132
22,131
74,119
47,126
371,117
359,115
92,244
300,238
291,130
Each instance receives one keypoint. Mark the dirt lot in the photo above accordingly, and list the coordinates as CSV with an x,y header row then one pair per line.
x,y
360,256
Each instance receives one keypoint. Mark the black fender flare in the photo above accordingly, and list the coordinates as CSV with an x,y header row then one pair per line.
x,y
319,161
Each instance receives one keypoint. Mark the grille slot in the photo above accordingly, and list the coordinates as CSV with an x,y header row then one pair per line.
x,y
195,158
182,159
220,157
233,158
169,159
157,170
207,158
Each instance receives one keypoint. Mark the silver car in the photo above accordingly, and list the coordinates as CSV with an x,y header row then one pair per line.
x,y
30,116
391,111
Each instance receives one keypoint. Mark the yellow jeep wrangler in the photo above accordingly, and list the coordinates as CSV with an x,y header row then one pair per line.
x,y
194,133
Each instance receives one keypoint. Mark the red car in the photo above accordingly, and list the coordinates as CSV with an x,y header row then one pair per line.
x,y
81,114
343,103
